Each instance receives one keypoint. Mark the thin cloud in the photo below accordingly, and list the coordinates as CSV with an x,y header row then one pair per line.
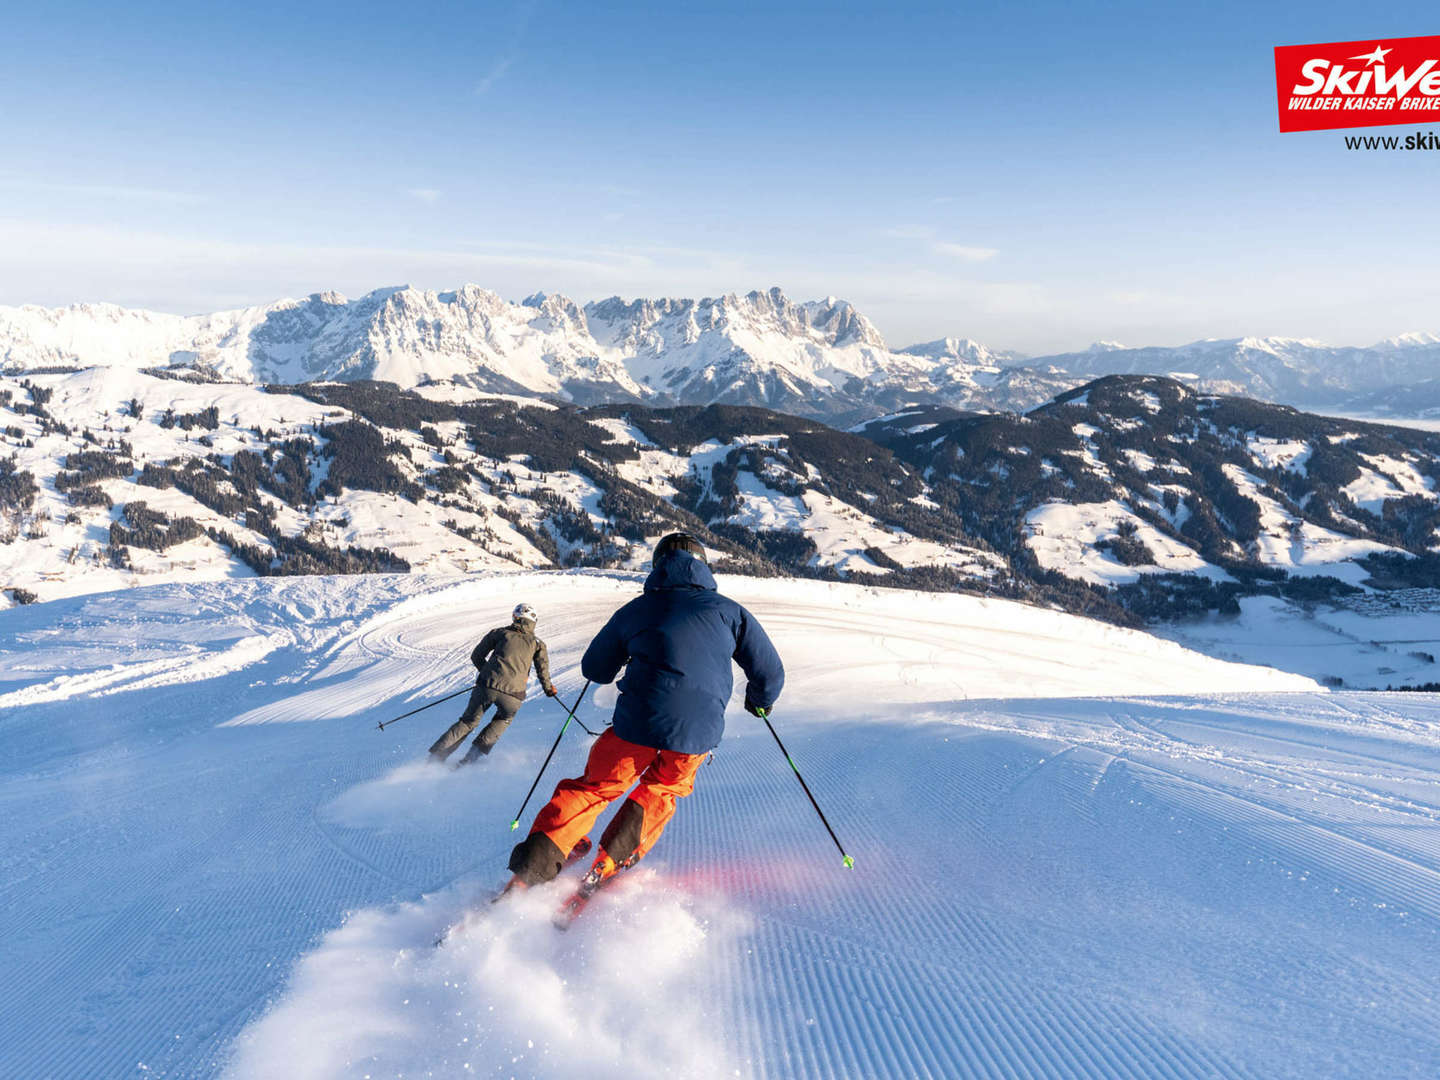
x,y
910,232
115,192
965,251
520,22
494,75
1130,296
925,234
424,194
55,264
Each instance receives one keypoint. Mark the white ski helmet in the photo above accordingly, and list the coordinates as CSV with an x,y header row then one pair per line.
x,y
524,613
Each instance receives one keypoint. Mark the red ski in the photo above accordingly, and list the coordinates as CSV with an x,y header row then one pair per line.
x,y
578,852
596,879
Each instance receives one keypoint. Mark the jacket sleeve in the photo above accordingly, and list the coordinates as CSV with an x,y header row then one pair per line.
x,y
756,655
608,653
542,663
485,648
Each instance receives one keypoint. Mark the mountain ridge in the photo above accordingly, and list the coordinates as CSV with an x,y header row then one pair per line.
x,y
821,358
1129,498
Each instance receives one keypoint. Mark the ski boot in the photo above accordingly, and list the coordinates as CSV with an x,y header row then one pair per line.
x,y
602,871
474,754
517,883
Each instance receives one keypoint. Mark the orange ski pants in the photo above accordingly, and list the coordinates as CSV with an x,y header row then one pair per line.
x,y
614,764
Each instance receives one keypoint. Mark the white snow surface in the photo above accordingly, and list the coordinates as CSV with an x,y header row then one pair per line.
x,y
1302,547
215,865
1390,478
1367,641
1063,537
1280,453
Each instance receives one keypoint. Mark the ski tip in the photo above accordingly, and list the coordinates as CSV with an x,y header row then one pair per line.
x,y
849,863
514,824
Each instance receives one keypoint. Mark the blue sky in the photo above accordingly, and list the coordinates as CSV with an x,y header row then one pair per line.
x,y
1037,176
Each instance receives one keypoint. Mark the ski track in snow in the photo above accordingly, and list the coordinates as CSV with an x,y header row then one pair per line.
x,y
225,870
197,665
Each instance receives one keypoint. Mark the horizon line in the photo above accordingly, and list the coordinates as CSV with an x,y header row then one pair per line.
x,y
832,298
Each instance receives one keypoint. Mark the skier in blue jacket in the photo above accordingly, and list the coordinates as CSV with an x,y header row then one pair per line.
x,y
676,643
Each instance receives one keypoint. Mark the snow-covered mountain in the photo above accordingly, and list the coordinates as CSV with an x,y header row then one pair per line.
x,y
112,477
966,351
401,335
1132,498
1175,503
819,358
1295,371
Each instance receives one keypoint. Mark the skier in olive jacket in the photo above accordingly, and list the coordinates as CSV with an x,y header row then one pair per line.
x,y
504,658
676,643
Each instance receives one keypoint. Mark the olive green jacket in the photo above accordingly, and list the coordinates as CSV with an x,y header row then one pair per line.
x,y
504,658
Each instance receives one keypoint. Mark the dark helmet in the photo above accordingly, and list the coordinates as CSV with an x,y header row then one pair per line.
x,y
679,542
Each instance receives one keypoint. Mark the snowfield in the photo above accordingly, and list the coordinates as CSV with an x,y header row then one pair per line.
x,y
1063,537
1080,851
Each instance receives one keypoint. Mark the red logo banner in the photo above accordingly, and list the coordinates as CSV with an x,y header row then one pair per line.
x,y
1346,84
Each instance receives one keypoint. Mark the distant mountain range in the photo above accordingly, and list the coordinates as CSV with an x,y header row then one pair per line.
x,y
1130,497
1397,376
819,358
1178,502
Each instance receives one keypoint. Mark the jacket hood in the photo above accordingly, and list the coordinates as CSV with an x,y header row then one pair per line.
x,y
680,570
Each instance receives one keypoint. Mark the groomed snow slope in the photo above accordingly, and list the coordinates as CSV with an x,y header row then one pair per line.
x,y
215,864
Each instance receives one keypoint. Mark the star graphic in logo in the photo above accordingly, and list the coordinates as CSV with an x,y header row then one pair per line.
x,y
1376,57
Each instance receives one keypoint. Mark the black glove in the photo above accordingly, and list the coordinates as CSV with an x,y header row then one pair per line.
x,y
550,691
754,709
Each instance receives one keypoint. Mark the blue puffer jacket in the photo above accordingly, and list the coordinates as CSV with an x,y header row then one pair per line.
x,y
678,640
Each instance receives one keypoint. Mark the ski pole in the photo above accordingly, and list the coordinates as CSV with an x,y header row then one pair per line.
x,y
569,716
764,715
386,723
